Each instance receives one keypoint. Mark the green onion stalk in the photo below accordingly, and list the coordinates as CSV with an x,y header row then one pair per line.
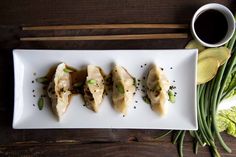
x,y
209,96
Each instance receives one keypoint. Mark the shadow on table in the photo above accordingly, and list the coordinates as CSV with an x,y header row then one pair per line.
x,y
8,41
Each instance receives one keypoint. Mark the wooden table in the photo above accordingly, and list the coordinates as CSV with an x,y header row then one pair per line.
x,y
88,142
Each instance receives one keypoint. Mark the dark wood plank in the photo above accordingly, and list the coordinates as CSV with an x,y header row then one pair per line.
x,y
26,12
137,149
70,148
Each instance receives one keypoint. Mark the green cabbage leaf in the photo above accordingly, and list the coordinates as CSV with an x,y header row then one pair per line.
x,y
226,120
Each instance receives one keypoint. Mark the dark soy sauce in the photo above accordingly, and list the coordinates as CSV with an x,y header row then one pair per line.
x,y
78,78
211,26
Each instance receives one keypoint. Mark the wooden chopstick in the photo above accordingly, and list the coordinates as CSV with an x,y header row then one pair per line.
x,y
104,26
109,37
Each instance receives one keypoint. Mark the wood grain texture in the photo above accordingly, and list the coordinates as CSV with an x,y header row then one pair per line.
x,y
52,12
109,37
88,142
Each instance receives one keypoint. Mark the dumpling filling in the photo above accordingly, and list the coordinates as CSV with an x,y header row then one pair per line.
x,y
157,90
59,90
123,89
94,88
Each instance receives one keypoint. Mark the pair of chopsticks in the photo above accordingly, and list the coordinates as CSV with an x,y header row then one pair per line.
x,y
107,37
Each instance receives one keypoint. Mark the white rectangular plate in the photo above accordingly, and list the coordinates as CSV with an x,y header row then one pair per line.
x,y
179,66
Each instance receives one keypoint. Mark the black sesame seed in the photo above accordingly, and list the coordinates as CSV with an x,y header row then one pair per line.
x,y
136,101
123,115
127,90
141,66
34,96
173,80
134,93
138,84
138,80
162,69
33,81
145,64
144,78
171,67
134,107
33,104
34,74
33,90
84,105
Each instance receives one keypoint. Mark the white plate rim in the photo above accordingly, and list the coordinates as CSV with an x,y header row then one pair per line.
x,y
17,85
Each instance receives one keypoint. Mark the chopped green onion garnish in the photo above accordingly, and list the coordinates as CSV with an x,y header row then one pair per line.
x,y
135,82
171,96
40,103
79,84
91,81
120,88
67,70
158,88
43,80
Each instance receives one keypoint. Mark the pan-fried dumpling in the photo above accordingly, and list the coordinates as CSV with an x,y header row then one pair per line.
x,y
157,89
94,88
123,89
59,90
